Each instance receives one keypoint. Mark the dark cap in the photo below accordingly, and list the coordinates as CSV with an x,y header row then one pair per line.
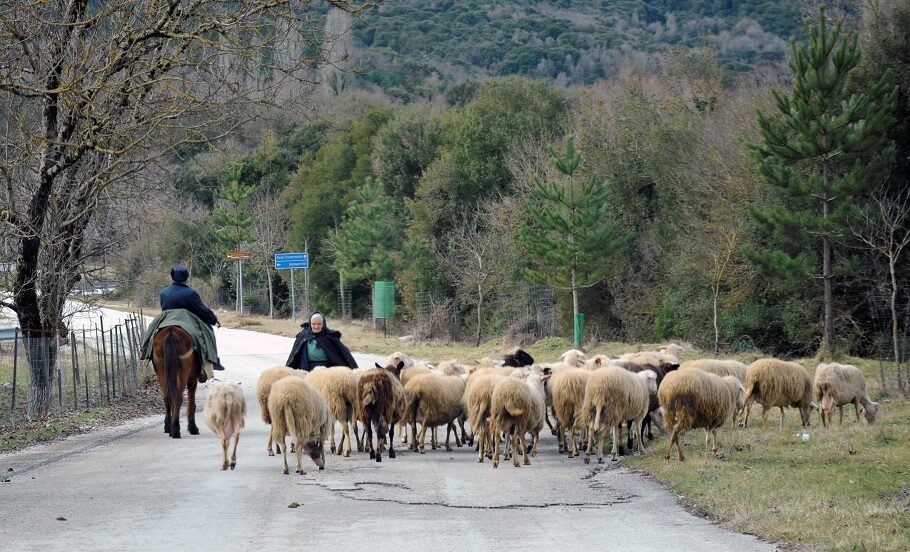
x,y
180,274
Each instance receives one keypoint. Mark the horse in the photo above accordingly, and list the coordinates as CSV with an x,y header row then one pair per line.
x,y
177,367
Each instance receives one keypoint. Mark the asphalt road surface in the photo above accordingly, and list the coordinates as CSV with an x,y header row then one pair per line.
x,y
133,488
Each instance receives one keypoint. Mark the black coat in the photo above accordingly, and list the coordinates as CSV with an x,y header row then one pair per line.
x,y
182,296
330,341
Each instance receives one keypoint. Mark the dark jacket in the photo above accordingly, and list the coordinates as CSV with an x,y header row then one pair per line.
x,y
329,340
182,296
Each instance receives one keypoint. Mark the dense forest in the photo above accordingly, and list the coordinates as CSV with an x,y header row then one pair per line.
x,y
421,162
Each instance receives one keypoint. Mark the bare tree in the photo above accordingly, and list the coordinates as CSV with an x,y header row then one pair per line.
x,y
270,231
476,259
886,231
93,94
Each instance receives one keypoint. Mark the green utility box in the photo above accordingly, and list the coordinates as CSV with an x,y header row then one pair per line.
x,y
383,299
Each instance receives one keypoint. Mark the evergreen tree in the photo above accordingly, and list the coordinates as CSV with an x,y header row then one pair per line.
x,y
567,234
369,239
231,217
822,151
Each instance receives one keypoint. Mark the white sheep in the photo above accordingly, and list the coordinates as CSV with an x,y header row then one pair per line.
x,y
225,414
434,400
841,384
300,411
691,399
612,396
717,367
263,387
517,408
338,386
567,388
672,349
477,400
776,383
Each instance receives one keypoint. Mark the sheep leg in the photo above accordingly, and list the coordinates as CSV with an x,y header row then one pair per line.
x,y
856,405
458,442
640,436
284,450
679,449
234,452
391,440
648,421
464,432
746,409
418,440
269,446
225,442
714,442
403,428
434,437
764,416
574,452
332,434
368,434
707,442
380,434
300,446
546,416
481,444
629,443
534,441
495,446
414,440
516,440
841,409
524,460
781,418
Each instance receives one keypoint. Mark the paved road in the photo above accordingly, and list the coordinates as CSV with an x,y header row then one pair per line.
x,y
132,488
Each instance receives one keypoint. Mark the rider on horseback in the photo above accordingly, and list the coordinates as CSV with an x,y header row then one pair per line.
x,y
179,295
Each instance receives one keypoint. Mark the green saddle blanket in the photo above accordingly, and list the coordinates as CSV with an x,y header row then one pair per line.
x,y
203,335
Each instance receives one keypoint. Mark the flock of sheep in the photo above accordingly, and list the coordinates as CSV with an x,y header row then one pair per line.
x,y
508,402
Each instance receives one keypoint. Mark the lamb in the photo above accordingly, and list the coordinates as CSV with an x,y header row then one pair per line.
x,y
691,399
718,367
517,408
518,358
382,404
840,384
612,396
225,414
477,400
771,382
567,387
300,411
434,400
338,385
268,378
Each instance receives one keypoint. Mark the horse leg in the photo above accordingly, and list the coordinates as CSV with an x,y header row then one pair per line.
x,y
175,418
167,414
191,407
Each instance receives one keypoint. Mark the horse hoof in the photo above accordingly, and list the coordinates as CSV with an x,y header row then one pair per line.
x,y
449,449
391,454
194,431
378,458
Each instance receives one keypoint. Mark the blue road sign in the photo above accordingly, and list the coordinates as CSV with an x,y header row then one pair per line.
x,y
284,261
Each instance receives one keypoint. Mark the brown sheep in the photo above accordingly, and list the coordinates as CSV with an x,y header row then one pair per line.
x,y
300,411
691,399
841,384
266,379
567,387
771,382
382,405
614,395
338,385
225,414
477,398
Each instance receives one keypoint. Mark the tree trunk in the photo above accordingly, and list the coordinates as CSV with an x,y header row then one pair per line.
x,y
894,339
716,291
828,339
479,306
41,352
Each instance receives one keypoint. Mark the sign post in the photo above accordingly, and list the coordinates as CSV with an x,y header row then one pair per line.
x,y
291,261
239,256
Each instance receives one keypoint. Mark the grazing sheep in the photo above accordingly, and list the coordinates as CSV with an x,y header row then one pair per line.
x,y
717,367
672,349
690,399
268,378
653,358
614,395
771,382
518,358
477,399
300,411
225,414
434,400
338,385
567,387
840,384
382,404
517,408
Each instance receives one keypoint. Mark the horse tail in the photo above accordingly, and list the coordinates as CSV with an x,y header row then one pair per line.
x,y
172,368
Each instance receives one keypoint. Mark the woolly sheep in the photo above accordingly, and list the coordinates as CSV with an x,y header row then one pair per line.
x,y
517,408
691,399
397,357
338,386
225,414
771,382
477,400
672,349
408,371
717,367
266,379
434,400
574,358
612,396
841,384
661,365
567,387
300,411
382,404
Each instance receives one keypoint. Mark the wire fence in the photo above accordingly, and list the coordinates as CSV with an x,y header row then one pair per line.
x,y
89,367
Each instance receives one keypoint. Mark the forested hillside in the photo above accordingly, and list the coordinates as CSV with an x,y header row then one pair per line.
x,y
715,241
408,47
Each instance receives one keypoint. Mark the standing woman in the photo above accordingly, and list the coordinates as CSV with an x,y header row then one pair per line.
x,y
317,345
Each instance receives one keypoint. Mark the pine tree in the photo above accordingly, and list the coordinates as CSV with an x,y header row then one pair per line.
x,y
822,151
369,240
567,234
232,219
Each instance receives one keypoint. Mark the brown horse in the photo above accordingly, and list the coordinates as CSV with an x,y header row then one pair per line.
x,y
177,367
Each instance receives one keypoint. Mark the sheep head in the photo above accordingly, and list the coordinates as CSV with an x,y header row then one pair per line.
x,y
317,452
871,411
650,377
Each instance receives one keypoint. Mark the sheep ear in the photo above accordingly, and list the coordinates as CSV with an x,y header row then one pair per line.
x,y
400,364
378,366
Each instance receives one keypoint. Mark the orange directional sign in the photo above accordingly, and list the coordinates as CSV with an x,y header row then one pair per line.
x,y
238,255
